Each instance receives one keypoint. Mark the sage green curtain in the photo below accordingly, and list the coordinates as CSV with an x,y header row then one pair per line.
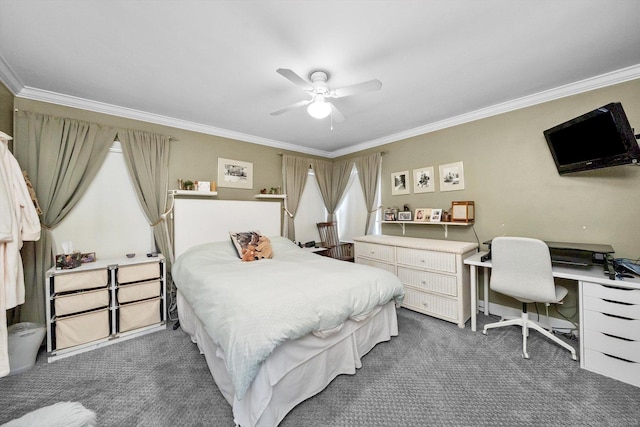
x,y
294,176
332,180
368,168
61,156
147,158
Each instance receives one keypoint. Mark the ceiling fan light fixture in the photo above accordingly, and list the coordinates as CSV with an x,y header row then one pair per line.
x,y
319,109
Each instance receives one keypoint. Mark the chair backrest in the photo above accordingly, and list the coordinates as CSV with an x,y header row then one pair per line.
x,y
522,269
328,234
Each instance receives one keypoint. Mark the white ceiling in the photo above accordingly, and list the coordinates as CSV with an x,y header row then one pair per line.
x,y
210,66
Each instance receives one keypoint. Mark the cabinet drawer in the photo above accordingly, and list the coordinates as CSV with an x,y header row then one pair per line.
x,y
622,370
139,291
426,280
81,280
616,326
440,261
82,328
80,301
372,263
138,273
625,295
613,346
631,311
377,252
431,304
138,314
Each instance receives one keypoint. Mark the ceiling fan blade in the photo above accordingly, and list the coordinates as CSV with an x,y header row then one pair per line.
x,y
291,107
294,78
368,86
336,114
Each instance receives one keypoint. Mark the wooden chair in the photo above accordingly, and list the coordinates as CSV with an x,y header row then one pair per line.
x,y
330,240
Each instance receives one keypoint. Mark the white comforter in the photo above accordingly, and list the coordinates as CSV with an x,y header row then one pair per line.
x,y
248,308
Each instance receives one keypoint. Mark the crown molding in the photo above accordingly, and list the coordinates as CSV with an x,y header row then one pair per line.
x,y
9,77
586,85
129,113
15,85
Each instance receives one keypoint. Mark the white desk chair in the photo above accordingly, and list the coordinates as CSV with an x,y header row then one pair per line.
x,y
522,270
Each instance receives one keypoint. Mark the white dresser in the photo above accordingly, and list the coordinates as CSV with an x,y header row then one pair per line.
x,y
435,279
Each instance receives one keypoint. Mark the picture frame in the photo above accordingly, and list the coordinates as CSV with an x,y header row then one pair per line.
x,y
436,215
389,216
422,215
424,180
404,216
451,176
235,174
400,183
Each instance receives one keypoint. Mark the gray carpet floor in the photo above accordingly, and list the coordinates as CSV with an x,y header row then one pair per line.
x,y
432,374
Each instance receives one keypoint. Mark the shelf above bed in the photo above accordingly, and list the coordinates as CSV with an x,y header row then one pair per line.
x,y
193,193
270,196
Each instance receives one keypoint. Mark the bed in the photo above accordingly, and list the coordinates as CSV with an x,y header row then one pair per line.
x,y
274,332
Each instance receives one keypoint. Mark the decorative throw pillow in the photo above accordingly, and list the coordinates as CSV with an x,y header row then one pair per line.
x,y
251,245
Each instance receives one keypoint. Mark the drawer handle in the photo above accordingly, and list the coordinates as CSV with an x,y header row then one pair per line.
x,y
616,302
421,260
617,317
619,358
616,337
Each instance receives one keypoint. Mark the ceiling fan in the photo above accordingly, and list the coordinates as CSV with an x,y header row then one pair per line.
x,y
318,106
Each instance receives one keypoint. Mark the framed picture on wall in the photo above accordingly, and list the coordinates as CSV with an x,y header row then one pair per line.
x,y
451,177
235,173
423,180
400,183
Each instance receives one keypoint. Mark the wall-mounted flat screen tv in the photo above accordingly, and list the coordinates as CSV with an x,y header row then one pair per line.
x,y
598,139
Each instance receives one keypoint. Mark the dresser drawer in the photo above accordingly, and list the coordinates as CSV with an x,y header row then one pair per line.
x,y
429,281
612,367
613,346
431,304
138,314
373,263
616,326
138,273
440,261
377,252
80,280
82,328
80,301
139,291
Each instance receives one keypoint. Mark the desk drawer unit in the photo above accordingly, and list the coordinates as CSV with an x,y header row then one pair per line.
x,y
611,331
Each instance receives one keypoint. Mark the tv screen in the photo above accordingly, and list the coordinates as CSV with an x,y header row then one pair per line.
x,y
597,139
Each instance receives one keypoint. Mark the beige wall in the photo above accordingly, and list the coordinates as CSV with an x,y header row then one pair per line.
x,y
6,110
193,155
510,174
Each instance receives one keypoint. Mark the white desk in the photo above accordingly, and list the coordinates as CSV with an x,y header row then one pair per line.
x,y
609,317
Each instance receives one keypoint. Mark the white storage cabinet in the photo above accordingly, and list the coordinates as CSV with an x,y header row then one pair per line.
x,y
610,331
102,303
435,280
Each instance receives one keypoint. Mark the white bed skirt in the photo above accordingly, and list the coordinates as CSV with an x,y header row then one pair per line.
x,y
283,380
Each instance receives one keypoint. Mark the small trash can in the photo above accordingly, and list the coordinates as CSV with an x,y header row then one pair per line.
x,y
24,341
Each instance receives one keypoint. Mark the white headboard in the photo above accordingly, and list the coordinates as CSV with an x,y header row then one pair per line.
x,y
202,220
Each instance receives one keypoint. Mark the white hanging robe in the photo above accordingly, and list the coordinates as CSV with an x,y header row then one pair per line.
x,y
18,222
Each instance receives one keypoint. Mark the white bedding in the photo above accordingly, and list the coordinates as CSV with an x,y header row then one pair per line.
x,y
305,292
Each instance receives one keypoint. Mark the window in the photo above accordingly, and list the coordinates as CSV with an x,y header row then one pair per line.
x,y
108,220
